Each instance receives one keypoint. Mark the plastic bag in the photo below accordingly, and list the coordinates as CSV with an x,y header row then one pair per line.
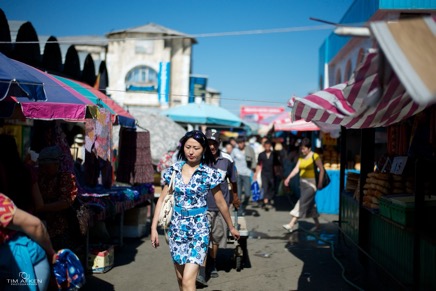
x,y
68,271
255,191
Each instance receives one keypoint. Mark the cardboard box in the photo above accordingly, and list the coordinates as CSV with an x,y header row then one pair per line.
x,y
100,258
135,216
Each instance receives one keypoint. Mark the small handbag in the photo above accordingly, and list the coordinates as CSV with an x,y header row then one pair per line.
x,y
166,210
326,178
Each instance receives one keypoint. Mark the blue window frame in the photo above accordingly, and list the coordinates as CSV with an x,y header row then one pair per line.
x,y
141,78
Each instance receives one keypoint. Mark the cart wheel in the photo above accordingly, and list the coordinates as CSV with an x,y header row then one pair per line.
x,y
238,264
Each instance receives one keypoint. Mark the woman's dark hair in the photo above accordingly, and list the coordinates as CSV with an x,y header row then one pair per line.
x,y
207,157
306,142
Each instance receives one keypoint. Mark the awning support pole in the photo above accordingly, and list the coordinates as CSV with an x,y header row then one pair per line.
x,y
367,144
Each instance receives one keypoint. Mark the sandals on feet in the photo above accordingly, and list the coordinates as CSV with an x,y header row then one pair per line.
x,y
288,227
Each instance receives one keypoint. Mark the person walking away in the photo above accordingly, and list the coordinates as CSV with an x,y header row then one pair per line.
x,y
265,164
243,155
289,162
188,233
250,155
218,229
279,156
305,206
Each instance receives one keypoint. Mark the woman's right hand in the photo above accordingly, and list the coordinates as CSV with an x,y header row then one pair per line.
x,y
286,182
154,238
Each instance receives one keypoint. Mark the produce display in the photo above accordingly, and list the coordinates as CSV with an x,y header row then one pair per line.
x,y
352,182
331,158
382,184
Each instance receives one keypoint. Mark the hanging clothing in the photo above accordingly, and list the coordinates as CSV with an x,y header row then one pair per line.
x,y
134,158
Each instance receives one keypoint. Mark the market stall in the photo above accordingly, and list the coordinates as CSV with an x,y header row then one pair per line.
x,y
69,108
385,208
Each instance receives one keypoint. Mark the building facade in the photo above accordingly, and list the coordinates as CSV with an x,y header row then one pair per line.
x,y
149,65
339,55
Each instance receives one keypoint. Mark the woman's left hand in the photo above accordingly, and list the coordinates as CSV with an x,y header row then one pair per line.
x,y
235,233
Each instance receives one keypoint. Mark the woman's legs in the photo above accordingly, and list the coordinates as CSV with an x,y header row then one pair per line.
x,y
179,274
293,221
295,213
186,276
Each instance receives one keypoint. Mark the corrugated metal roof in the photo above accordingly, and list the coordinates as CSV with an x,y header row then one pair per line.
x,y
97,40
151,28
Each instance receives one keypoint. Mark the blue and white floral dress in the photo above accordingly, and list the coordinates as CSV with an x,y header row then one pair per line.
x,y
188,236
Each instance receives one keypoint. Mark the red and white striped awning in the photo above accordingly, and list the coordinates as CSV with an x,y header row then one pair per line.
x,y
410,46
283,122
367,100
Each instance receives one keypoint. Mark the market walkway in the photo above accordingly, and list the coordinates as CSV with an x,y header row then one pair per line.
x,y
277,260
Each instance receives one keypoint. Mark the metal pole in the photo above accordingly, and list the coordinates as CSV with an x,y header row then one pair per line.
x,y
343,151
367,166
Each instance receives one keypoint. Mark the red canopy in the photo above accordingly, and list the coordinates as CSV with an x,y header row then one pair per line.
x,y
283,122
364,101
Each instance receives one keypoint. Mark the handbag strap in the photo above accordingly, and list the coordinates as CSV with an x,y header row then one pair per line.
x,y
171,185
314,163
315,168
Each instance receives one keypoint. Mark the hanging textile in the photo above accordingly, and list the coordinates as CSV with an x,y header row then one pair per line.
x,y
135,164
98,150
98,135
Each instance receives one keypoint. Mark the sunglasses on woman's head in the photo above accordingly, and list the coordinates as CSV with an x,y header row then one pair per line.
x,y
194,134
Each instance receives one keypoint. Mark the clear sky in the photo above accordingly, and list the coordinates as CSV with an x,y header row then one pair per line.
x,y
256,69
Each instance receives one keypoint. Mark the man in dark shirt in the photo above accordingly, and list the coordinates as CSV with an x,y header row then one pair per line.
x,y
265,164
218,229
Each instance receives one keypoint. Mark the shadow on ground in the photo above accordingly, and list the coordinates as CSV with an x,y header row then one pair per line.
x,y
94,283
331,250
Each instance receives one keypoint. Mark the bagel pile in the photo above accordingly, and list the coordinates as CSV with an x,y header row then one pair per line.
x,y
376,185
352,182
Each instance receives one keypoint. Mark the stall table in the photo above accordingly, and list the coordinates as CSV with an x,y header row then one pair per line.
x,y
106,203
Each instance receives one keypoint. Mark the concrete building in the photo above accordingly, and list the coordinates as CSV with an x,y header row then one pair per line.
x,y
149,65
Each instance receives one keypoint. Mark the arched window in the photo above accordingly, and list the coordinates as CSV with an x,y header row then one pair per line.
x,y
141,78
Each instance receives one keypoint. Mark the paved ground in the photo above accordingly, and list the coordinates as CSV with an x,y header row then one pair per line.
x,y
276,260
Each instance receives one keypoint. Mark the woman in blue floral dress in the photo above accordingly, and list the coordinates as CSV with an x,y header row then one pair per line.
x,y
188,233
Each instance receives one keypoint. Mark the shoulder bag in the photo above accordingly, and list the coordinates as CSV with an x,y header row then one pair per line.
x,y
167,207
326,178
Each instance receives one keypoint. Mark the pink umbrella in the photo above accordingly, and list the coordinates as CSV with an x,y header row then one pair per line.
x,y
58,102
